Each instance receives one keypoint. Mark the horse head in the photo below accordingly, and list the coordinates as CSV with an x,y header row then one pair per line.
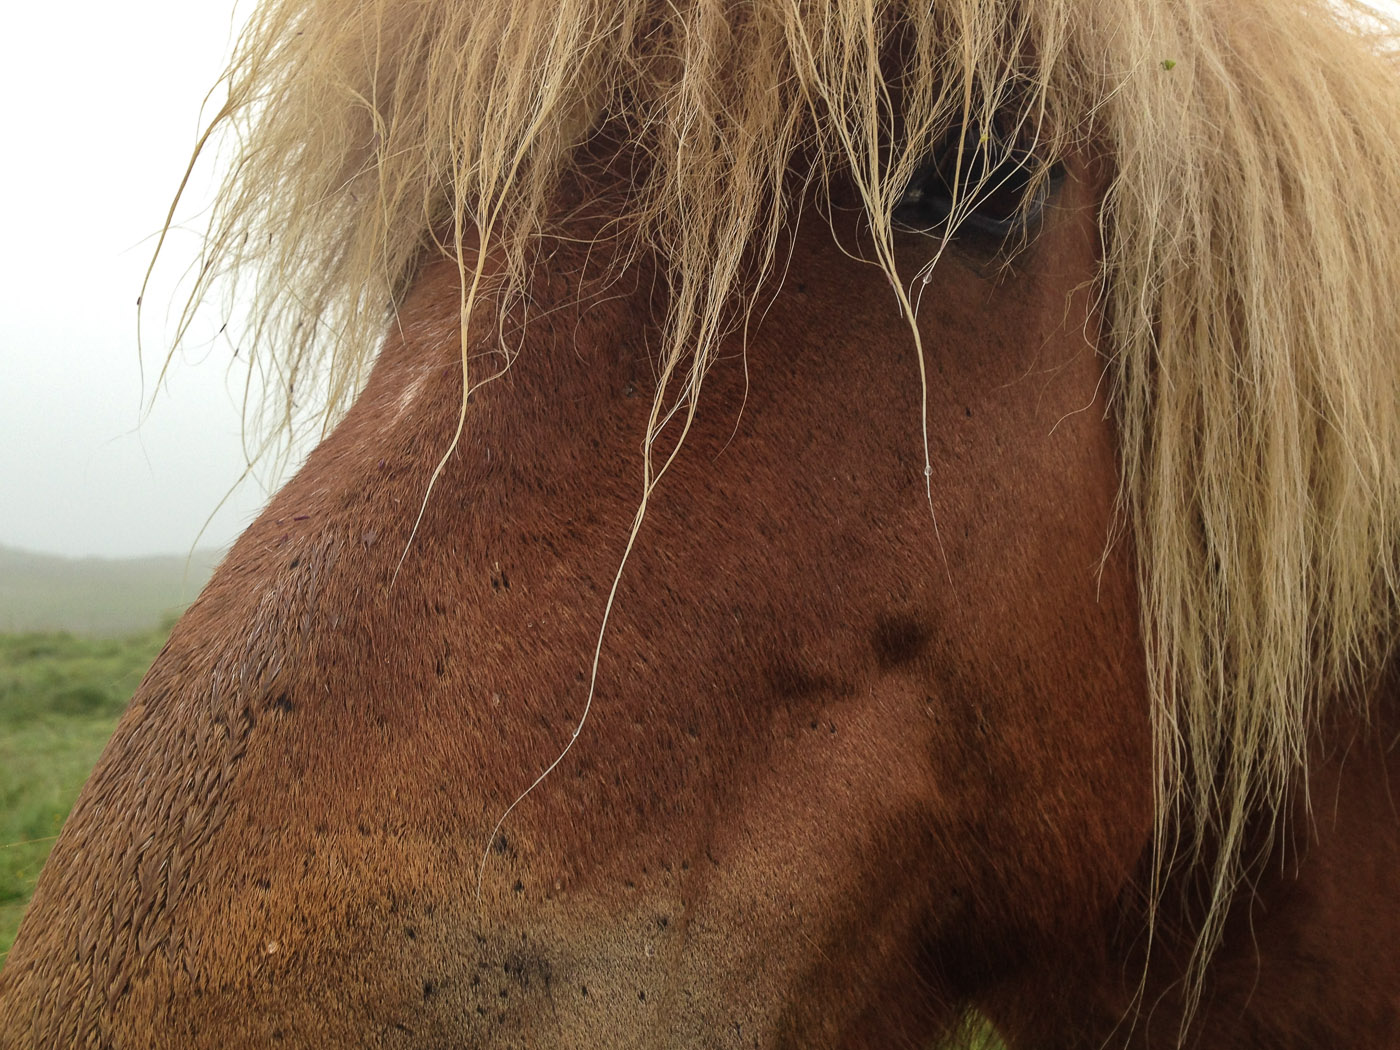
x,y
853,515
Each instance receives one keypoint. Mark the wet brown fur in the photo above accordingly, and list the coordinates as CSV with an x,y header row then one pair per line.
x,y
1247,276
841,779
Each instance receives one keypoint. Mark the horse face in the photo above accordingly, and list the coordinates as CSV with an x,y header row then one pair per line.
x,y
859,744
862,742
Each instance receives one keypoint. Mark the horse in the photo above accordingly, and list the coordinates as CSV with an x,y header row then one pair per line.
x,y
833,516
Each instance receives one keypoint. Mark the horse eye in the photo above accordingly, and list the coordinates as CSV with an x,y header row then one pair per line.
x,y
992,179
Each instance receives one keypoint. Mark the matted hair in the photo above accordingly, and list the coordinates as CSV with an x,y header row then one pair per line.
x,y
1250,274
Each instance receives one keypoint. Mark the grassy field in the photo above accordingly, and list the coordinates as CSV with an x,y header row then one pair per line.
x,y
60,697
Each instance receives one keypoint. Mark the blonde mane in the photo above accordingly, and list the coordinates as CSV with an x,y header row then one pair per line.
x,y
1250,274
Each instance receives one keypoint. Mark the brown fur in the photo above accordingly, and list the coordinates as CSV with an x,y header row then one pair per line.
x,y
1307,956
1247,275
841,779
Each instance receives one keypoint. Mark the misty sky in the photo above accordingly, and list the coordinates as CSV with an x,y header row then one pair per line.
x,y
102,110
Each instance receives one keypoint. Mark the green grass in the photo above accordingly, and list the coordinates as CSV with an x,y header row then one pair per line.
x,y
60,697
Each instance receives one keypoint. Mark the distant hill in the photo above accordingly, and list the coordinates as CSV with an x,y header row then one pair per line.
x,y
104,597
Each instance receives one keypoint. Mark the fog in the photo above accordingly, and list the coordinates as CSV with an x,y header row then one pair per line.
x,y
103,110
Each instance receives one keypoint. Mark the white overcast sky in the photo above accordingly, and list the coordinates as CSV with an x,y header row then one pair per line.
x,y
102,108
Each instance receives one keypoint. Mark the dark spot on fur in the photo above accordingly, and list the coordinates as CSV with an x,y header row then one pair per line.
x,y
898,640
410,933
500,845
526,968
519,886
789,680
284,703
429,989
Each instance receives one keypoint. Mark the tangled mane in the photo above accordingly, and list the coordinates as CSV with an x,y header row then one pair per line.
x,y
1248,281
